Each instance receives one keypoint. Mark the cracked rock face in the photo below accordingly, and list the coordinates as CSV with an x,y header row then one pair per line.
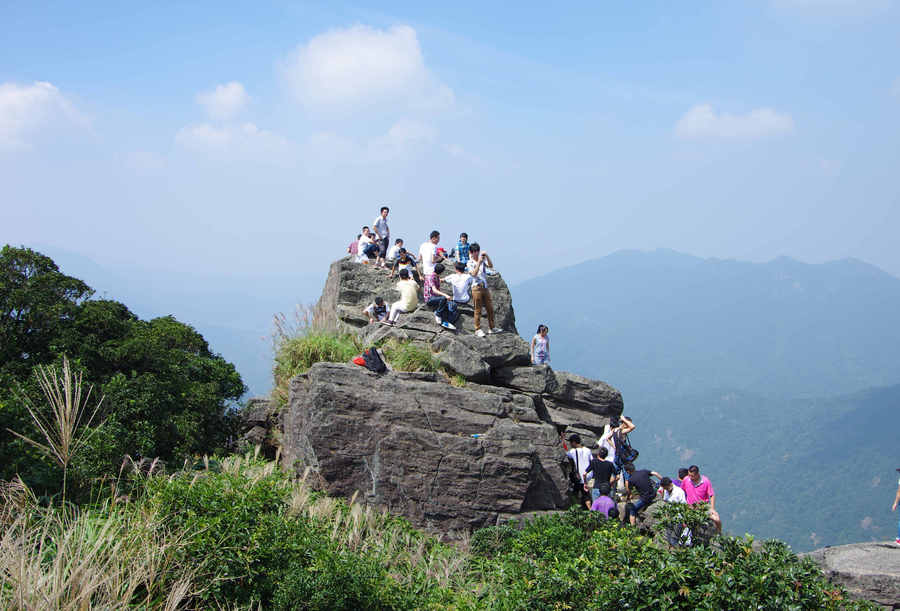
x,y
448,458
870,571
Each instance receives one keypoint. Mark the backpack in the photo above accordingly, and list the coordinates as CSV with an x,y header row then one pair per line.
x,y
624,451
373,361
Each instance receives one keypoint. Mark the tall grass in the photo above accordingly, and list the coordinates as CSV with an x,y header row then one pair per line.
x,y
64,428
405,356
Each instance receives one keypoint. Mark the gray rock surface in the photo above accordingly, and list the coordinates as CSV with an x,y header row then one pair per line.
x,y
447,456
869,571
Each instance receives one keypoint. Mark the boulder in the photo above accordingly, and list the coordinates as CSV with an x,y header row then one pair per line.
x,y
869,571
533,379
447,458
585,394
457,358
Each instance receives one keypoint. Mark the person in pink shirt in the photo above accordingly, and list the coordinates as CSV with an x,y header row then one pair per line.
x,y
697,488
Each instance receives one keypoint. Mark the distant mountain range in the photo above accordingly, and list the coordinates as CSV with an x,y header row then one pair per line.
x,y
764,374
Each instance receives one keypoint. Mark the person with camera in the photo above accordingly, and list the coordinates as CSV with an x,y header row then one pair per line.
x,y
478,263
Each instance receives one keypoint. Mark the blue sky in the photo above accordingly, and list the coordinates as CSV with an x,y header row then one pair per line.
x,y
256,140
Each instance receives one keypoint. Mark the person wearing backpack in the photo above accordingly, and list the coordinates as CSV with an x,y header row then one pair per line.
x,y
581,458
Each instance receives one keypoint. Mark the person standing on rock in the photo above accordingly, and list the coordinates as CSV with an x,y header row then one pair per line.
x,y
894,508
698,489
581,459
481,295
382,235
540,346
428,253
436,299
601,471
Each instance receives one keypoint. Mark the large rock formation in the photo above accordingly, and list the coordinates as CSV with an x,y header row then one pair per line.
x,y
869,571
446,456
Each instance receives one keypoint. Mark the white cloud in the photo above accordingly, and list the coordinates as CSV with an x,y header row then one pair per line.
x,y
702,121
245,140
26,108
225,101
361,67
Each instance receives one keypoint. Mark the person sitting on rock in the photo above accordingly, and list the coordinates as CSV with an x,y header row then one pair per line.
x,y
540,346
481,295
405,261
461,282
601,471
409,297
436,299
376,311
428,253
639,480
366,247
698,489
603,501
394,251
352,249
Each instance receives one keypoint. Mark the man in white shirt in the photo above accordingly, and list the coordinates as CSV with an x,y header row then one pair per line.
x,y
366,247
581,459
481,296
428,254
462,283
394,251
382,235
671,492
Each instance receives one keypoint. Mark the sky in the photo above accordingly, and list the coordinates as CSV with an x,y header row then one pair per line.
x,y
227,140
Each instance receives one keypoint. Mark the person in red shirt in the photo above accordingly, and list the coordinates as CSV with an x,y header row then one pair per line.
x,y
697,488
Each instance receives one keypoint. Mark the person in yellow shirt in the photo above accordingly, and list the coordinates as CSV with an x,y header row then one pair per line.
x,y
409,297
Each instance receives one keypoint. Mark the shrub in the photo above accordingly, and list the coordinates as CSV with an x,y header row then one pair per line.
x,y
405,356
296,354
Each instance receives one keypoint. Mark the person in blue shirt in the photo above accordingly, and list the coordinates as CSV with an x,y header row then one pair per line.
x,y
462,248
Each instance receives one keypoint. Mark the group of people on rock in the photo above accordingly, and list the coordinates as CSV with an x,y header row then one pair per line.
x,y
606,474
423,270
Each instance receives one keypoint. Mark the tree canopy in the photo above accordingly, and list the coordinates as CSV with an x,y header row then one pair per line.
x,y
166,393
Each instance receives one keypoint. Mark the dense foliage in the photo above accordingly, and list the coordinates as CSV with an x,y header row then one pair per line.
x,y
238,533
166,393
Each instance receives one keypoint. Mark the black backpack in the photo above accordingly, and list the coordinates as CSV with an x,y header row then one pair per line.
x,y
373,360
624,451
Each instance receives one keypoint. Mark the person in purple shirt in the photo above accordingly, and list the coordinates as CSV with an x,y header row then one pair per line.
x,y
604,503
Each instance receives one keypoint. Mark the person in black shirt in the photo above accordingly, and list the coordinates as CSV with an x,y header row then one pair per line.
x,y
601,470
639,479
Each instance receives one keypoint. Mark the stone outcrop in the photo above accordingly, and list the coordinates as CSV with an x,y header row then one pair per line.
x,y
869,571
447,456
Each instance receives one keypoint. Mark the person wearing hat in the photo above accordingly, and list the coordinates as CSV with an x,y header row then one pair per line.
x,y
894,508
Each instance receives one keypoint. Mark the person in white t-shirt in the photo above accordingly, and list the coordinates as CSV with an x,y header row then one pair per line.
x,y
671,492
461,282
393,252
481,295
382,235
366,247
581,459
428,253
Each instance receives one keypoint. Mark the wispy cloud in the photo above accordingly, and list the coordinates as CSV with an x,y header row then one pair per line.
x,y
24,109
703,122
360,67
225,101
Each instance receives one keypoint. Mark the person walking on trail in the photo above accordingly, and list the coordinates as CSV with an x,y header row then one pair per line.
x,y
436,299
601,471
481,295
540,346
698,489
581,458
382,235
639,480
409,297
894,508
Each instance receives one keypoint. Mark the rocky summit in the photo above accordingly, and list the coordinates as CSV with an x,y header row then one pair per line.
x,y
449,457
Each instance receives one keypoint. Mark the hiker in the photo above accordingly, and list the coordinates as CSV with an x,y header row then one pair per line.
x,y
376,311
436,299
382,235
428,253
461,282
405,261
603,501
697,488
612,439
894,508
352,249
682,473
602,471
671,492
639,480
540,346
409,297
581,458
462,248
366,247
393,252
481,295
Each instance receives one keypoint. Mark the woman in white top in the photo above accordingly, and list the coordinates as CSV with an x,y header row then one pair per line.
x,y
540,346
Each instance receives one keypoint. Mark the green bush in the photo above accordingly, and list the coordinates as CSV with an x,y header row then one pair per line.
x,y
405,356
296,354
